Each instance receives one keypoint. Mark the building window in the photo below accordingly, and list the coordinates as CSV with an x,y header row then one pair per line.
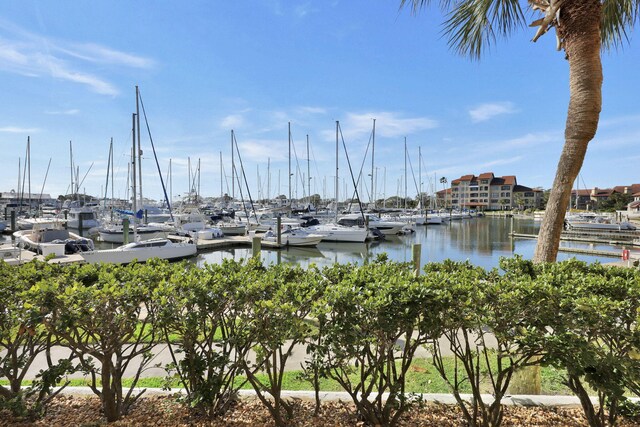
x,y
505,187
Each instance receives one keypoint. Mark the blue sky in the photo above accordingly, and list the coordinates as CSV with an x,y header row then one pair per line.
x,y
68,72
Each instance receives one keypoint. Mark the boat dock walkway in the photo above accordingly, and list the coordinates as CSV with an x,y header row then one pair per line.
x,y
613,237
584,251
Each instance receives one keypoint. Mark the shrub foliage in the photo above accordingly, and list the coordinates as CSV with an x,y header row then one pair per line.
x,y
239,322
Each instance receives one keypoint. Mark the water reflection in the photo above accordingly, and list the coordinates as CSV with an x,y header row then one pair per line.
x,y
481,240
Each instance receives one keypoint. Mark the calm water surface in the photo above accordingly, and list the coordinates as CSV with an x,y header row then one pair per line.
x,y
480,240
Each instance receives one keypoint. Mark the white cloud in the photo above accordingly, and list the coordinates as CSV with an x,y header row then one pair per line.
x,y
70,112
92,52
311,110
232,121
14,129
454,171
531,139
33,55
261,150
488,111
388,124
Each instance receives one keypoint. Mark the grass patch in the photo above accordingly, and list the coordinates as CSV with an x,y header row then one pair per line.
x,y
421,378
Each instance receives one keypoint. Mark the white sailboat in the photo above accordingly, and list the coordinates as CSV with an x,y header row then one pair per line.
x,y
140,250
333,232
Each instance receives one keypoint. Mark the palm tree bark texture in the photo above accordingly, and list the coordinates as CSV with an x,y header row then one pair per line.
x,y
579,29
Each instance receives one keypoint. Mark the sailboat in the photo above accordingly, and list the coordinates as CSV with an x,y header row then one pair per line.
x,y
140,250
334,232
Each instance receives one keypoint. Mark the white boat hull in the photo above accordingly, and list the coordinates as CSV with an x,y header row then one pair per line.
x,y
298,237
142,252
337,233
52,241
117,235
596,226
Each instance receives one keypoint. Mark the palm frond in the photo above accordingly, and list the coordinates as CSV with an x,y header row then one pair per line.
x,y
617,17
474,24
471,25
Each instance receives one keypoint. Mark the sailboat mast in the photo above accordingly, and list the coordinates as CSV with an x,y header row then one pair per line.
x,y
189,178
268,179
420,176
373,150
134,204
233,171
289,163
337,183
19,193
29,169
170,185
106,184
405,173
112,199
308,172
72,187
221,179
139,146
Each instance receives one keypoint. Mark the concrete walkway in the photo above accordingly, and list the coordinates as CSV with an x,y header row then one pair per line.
x,y
334,396
162,357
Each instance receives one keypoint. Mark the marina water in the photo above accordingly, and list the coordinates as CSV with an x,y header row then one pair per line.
x,y
482,241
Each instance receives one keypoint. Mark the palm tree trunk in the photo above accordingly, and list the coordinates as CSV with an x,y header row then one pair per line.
x,y
580,29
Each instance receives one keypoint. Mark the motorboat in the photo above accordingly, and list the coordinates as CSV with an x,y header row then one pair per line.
x,y
141,251
199,230
85,215
373,221
294,237
115,233
230,228
57,241
42,222
338,233
599,226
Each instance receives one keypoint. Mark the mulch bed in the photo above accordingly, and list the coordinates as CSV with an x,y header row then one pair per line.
x,y
166,411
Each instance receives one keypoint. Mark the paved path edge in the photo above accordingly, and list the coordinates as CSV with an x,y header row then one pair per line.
x,y
328,396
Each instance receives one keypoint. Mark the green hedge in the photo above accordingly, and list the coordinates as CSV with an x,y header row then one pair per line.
x,y
361,326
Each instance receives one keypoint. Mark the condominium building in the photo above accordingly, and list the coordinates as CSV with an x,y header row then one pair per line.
x,y
489,192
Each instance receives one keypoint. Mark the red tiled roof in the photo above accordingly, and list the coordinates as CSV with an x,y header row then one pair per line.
x,y
486,175
509,180
631,189
581,193
603,192
467,178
